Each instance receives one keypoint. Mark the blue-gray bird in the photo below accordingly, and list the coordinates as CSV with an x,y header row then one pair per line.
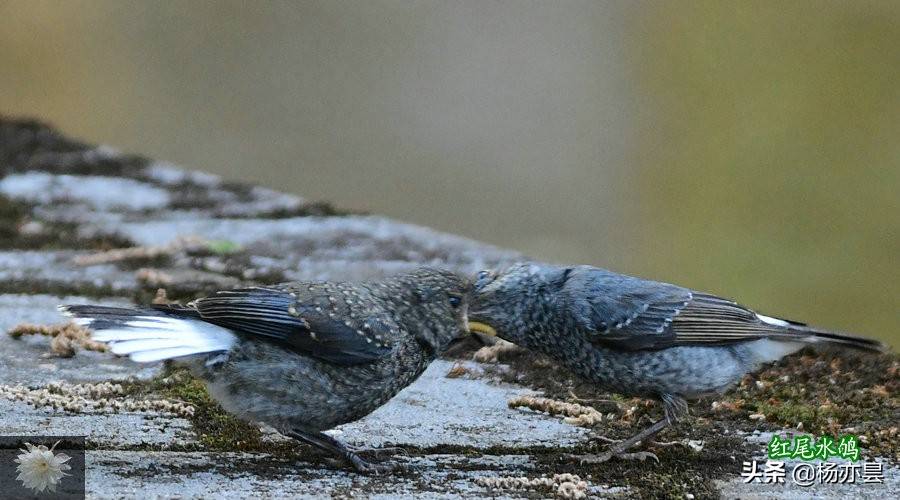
x,y
637,337
302,357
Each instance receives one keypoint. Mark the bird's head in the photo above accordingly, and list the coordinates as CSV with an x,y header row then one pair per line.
x,y
512,302
435,303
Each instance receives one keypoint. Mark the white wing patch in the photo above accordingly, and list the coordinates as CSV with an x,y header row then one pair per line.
x,y
772,321
154,338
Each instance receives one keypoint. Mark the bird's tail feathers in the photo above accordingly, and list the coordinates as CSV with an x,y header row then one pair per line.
x,y
786,337
811,335
147,335
817,336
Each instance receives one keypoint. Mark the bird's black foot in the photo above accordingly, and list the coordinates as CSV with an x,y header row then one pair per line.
x,y
376,469
620,449
604,439
332,445
379,452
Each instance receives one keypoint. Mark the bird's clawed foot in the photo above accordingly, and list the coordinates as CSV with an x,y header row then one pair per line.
x,y
600,458
364,467
605,439
379,452
618,450
638,455
338,449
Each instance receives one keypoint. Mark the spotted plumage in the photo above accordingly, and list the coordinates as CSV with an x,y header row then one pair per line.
x,y
302,357
637,337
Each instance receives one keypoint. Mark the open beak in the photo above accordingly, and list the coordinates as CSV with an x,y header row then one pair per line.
x,y
482,328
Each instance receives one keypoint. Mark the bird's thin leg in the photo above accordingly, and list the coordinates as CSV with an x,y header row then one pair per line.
x,y
605,439
666,444
618,449
378,451
675,408
328,443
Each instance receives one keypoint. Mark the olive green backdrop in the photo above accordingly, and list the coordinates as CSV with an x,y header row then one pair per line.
x,y
746,148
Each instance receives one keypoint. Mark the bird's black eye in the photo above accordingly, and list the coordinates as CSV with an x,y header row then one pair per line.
x,y
483,278
455,301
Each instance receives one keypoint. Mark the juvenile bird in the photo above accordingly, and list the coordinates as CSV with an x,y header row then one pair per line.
x,y
637,337
302,357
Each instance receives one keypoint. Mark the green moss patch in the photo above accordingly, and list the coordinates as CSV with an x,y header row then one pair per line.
x,y
216,429
829,393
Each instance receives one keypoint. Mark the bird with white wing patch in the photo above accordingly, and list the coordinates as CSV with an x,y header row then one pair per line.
x,y
302,357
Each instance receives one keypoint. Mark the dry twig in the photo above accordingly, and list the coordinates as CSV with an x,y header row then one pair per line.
x,y
66,338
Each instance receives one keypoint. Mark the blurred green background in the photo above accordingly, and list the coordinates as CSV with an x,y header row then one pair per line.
x,y
746,148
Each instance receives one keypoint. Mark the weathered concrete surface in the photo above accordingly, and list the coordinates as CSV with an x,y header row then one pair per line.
x,y
54,270
233,475
437,411
65,205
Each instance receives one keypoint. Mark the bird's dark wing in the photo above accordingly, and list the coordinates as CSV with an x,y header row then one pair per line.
x,y
275,315
711,320
630,313
621,311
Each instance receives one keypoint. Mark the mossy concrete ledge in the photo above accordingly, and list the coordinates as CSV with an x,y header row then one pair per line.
x,y
83,223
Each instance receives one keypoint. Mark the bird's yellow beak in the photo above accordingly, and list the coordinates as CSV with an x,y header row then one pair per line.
x,y
482,328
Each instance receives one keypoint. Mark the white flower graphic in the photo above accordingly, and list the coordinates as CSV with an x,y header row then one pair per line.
x,y
40,469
